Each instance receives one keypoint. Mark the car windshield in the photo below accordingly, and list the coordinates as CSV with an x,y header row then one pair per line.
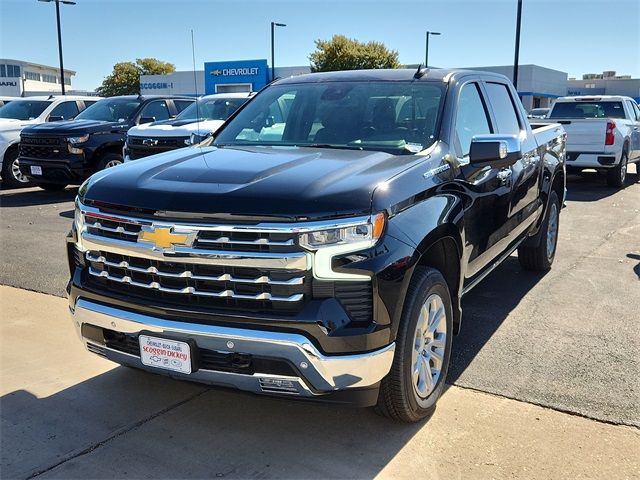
x,y
539,111
211,109
24,109
110,110
587,109
395,117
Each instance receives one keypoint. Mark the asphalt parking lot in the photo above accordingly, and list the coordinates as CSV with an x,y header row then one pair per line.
x,y
568,340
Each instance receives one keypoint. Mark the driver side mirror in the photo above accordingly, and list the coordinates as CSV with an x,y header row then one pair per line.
x,y
144,120
495,150
55,118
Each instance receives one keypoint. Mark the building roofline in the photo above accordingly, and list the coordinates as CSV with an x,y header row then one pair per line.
x,y
40,65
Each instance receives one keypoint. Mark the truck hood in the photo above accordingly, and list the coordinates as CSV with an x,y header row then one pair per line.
x,y
292,183
74,127
175,128
12,125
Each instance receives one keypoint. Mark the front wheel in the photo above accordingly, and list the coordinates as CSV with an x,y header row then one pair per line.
x,y
423,348
617,176
110,160
11,174
540,257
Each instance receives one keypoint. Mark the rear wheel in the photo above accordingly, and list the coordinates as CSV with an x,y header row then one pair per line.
x,y
540,257
423,348
11,174
110,160
617,176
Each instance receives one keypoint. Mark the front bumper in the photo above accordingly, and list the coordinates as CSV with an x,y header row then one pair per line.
x,y
316,376
56,171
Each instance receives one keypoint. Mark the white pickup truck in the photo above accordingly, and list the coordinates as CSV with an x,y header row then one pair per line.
x,y
23,112
603,133
200,119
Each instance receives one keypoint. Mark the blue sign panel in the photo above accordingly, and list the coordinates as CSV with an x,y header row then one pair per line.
x,y
240,72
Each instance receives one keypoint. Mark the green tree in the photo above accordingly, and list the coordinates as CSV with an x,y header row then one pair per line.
x,y
342,53
125,77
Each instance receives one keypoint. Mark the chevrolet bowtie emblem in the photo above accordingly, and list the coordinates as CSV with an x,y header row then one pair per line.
x,y
216,72
163,237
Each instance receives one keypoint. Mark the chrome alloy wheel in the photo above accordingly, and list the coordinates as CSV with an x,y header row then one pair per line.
x,y
429,343
17,174
552,231
113,163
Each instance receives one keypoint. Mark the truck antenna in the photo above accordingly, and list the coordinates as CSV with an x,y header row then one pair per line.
x,y
195,80
420,72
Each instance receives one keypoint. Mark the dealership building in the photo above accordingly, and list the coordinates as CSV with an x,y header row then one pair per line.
x,y
19,78
537,86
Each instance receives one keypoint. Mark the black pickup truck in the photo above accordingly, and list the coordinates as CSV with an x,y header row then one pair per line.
x,y
54,155
319,246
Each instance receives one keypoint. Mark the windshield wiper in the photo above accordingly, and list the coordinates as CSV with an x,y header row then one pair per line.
x,y
330,145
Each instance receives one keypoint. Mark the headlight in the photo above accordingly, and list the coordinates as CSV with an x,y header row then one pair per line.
x,y
363,234
343,238
78,140
78,218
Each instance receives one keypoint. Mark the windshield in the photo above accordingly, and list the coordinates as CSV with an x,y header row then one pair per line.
x,y
24,109
539,111
211,109
110,110
395,117
587,109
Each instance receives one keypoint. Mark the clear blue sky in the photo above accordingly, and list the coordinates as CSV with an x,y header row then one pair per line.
x,y
575,36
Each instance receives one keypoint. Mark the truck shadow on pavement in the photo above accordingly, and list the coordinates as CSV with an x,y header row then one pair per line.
x,y
128,423
592,186
636,269
25,197
484,310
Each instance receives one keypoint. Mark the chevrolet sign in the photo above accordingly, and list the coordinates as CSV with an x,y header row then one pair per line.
x,y
236,72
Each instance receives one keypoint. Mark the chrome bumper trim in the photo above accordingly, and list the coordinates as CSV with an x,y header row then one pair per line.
x,y
322,373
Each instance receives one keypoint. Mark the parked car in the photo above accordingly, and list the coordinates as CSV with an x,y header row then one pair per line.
x,y
201,118
603,133
538,113
66,153
23,112
5,100
327,262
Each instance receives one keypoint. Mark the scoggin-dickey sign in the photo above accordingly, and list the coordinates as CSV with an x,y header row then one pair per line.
x,y
254,72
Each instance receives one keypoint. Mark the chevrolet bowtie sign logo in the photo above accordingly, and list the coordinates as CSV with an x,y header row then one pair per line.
x,y
216,72
163,237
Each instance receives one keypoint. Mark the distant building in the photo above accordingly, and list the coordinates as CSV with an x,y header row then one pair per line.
x,y
19,78
605,83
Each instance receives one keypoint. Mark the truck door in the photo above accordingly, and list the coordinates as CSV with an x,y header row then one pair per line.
x,y
524,179
485,190
634,148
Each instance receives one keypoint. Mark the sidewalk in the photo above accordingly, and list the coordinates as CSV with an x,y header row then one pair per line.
x,y
63,406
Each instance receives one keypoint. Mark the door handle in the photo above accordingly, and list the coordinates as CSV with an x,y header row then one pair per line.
x,y
504,175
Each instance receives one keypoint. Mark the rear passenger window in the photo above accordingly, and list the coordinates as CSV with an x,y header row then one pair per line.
x,y
158,110
503,109
66,110
472,118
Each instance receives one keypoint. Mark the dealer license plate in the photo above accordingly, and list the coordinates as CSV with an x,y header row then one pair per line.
x,y
164,353
36,170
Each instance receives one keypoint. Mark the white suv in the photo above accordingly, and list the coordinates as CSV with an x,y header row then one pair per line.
x,y
22,112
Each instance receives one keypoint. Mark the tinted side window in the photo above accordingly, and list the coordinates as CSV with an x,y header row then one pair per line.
x,y
181,104
66,110
158,110
636,110
471,119
503,109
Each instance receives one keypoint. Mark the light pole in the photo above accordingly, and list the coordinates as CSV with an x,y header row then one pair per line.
x,y
517,54
273,66
426,48
58,2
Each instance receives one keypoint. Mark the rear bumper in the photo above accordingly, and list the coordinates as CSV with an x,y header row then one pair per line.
x,y
576,158
314,375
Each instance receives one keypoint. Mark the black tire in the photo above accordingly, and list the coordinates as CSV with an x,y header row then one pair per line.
x,y
108,160
617,176
9,179
52,187
540,257
398,398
